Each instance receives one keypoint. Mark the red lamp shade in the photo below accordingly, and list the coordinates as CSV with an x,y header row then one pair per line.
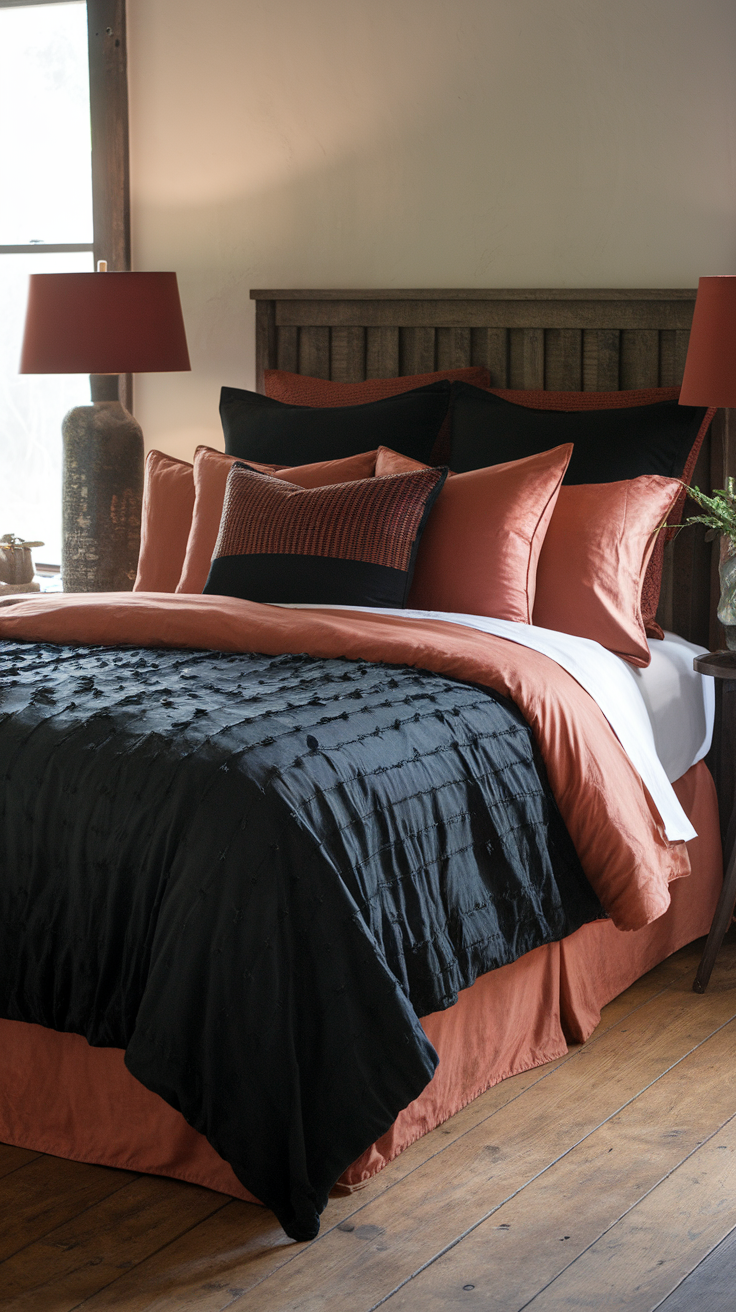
x,y
710,368
103,323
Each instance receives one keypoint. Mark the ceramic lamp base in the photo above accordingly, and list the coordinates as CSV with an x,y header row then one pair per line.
x,y
101,498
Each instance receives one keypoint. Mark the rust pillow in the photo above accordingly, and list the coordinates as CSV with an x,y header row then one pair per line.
x,y
656,397
594,557
351,544
299,389
392,462
211,469
166,518
479,552
539,400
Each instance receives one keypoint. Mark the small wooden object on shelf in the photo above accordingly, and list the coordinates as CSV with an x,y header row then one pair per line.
x,y
720,665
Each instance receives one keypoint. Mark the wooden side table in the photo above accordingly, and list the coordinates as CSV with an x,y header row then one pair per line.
x,y
720,665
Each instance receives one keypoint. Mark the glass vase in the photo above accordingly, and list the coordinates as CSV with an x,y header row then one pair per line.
x,y
727,604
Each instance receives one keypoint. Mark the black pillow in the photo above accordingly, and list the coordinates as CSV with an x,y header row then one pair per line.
x,y
258,428
608,444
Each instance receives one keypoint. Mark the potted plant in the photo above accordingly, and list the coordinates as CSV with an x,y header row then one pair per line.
x,y
720,517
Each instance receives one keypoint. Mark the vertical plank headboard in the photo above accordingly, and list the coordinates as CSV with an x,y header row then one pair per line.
x,y
561,340
555,339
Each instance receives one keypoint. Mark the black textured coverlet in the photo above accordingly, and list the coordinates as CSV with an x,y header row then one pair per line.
x,y
255,873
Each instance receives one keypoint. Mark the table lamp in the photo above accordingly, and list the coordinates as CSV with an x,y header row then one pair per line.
x,y
710,367
102,324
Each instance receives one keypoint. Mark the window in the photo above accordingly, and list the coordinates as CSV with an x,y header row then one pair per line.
x,y
63,203
45,227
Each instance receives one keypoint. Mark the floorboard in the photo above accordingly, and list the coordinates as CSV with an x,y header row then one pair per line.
x,y
711,1287
605,1179
11,1159
587,1192
651,1249
75,1260
258,1269
45,1193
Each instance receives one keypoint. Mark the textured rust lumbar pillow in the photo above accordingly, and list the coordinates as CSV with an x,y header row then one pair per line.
x,y
351,544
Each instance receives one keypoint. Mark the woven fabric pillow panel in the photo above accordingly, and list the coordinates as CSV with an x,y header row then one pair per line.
x,y
351,544
301,389
258,428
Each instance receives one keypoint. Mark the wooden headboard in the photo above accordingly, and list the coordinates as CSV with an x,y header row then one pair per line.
x,y
560,340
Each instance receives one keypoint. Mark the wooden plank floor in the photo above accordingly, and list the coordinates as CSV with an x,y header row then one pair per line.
x,y
605,1180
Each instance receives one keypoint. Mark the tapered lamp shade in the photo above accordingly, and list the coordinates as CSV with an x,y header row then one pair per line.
x,y
111,323
710,368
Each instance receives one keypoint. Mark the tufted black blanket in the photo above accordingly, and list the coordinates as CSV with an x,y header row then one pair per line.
x,y
255,873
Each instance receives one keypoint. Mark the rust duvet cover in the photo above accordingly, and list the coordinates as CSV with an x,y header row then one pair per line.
x,y
252,846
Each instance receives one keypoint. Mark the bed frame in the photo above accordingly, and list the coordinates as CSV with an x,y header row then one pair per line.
x,y
554,339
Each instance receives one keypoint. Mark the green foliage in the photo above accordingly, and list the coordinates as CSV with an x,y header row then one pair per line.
x,y
720,509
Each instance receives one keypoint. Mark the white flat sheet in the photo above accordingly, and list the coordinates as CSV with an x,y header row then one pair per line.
x,y
609,681
680,703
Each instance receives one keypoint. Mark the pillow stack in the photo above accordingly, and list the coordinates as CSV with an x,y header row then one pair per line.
x,y
326,494
617,436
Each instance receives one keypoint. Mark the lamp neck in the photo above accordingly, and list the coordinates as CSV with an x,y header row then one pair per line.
x,y
104,387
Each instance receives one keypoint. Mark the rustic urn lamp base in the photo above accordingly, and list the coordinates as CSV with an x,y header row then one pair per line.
x,y
101,499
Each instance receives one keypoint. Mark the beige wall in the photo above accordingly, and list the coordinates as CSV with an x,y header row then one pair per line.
x,y
410,143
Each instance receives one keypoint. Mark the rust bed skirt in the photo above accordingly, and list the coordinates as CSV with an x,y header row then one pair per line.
x,y
60,1096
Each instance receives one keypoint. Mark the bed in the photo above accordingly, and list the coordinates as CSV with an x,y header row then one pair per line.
x,y
65,1095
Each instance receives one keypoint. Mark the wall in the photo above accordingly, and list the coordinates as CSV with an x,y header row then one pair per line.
x,y
410,143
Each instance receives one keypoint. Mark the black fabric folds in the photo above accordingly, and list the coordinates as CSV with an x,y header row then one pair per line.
x,y
609,445
258,428
256,873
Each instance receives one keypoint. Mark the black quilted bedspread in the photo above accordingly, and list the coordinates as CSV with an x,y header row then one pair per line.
x,y
255,873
